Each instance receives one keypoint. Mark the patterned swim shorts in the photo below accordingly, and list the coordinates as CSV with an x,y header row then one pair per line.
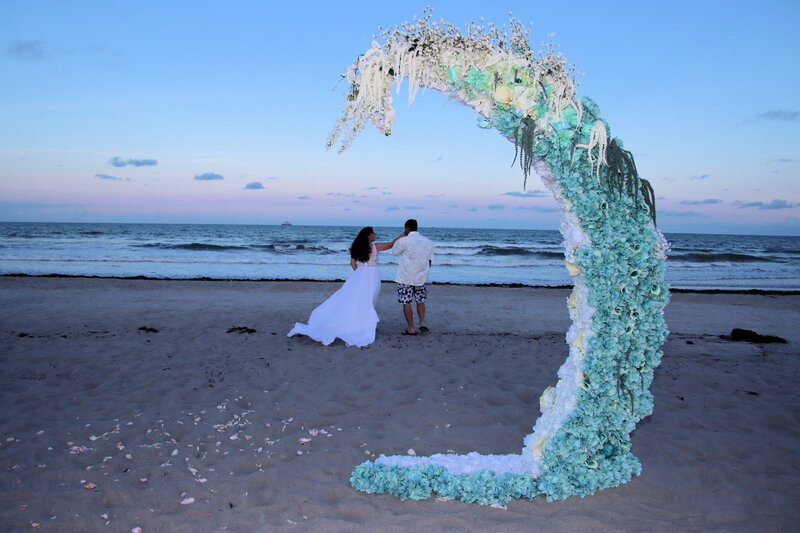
x,y
411,293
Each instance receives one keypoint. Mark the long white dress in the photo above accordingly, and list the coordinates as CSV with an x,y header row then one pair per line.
x,y
349,313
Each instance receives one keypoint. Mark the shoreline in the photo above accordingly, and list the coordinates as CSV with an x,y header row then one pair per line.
x,y
672,290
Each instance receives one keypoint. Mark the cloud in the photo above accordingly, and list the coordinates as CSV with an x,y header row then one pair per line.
x,y
785,115
413,207
347,195
496,207
453,206
536,193
539,208
707,201
434,195
774,204
385,193
304,197
208,176
781,161
119,162
373,188
110,178
33,205
701,177
34,50
473,209
392,208
254,185
681,214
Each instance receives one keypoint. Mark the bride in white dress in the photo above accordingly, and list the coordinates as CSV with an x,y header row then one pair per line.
x,y
349,313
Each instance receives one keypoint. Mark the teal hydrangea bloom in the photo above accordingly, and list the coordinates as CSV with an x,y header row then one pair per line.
x,y
483,487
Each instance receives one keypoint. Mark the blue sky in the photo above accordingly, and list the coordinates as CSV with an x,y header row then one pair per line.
x,y
219,112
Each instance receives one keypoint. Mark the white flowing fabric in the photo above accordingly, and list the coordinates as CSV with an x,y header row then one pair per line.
x,y
349,313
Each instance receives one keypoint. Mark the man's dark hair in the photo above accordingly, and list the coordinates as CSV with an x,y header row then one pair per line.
x,y
411,224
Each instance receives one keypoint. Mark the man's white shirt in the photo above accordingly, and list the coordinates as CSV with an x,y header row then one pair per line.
x,y
416,253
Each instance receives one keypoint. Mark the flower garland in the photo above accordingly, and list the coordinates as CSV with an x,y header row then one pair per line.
x,y
613,251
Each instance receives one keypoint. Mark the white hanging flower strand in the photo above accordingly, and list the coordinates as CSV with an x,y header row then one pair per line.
x,y
597,139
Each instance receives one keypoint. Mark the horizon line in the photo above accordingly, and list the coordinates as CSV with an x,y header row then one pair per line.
x,y
279,224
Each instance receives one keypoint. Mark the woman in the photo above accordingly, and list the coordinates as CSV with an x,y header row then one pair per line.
x,y
349,313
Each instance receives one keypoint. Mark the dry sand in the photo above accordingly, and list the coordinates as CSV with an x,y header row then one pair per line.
x,y
121,399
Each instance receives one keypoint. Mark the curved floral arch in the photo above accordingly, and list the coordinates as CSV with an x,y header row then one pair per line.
x,y
613,252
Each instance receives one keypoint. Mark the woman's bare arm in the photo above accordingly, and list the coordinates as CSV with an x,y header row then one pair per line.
x,y
381,246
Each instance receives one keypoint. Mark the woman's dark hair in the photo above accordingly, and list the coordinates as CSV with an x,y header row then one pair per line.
x,y
361,248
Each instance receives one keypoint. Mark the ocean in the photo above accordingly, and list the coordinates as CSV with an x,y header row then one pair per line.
x,y
463,256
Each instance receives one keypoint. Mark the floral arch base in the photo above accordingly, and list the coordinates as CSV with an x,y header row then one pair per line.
x,y
613,251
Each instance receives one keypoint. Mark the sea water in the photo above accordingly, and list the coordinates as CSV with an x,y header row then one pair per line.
x,y
464,256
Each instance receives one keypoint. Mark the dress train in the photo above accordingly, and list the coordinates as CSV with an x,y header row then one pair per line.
x,y
349,313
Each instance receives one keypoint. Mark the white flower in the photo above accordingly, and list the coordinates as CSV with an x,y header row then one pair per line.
x,y
503,94
547,400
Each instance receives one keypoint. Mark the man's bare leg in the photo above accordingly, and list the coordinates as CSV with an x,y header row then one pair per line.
x,y
409,314
421,313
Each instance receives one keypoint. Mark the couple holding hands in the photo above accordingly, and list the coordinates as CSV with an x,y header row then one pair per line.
x,y
349,313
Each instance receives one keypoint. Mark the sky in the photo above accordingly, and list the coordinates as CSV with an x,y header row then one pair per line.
x,y
218,112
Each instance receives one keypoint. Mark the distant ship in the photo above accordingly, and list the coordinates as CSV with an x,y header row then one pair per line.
x,y
286,223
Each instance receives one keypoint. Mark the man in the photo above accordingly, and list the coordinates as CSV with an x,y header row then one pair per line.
x,y
416,255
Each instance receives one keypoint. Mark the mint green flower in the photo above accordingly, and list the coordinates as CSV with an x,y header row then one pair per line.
x,y
476,79
452,74
565,138
571,117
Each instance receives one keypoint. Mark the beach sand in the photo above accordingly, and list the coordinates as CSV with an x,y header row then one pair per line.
x,y
181,405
